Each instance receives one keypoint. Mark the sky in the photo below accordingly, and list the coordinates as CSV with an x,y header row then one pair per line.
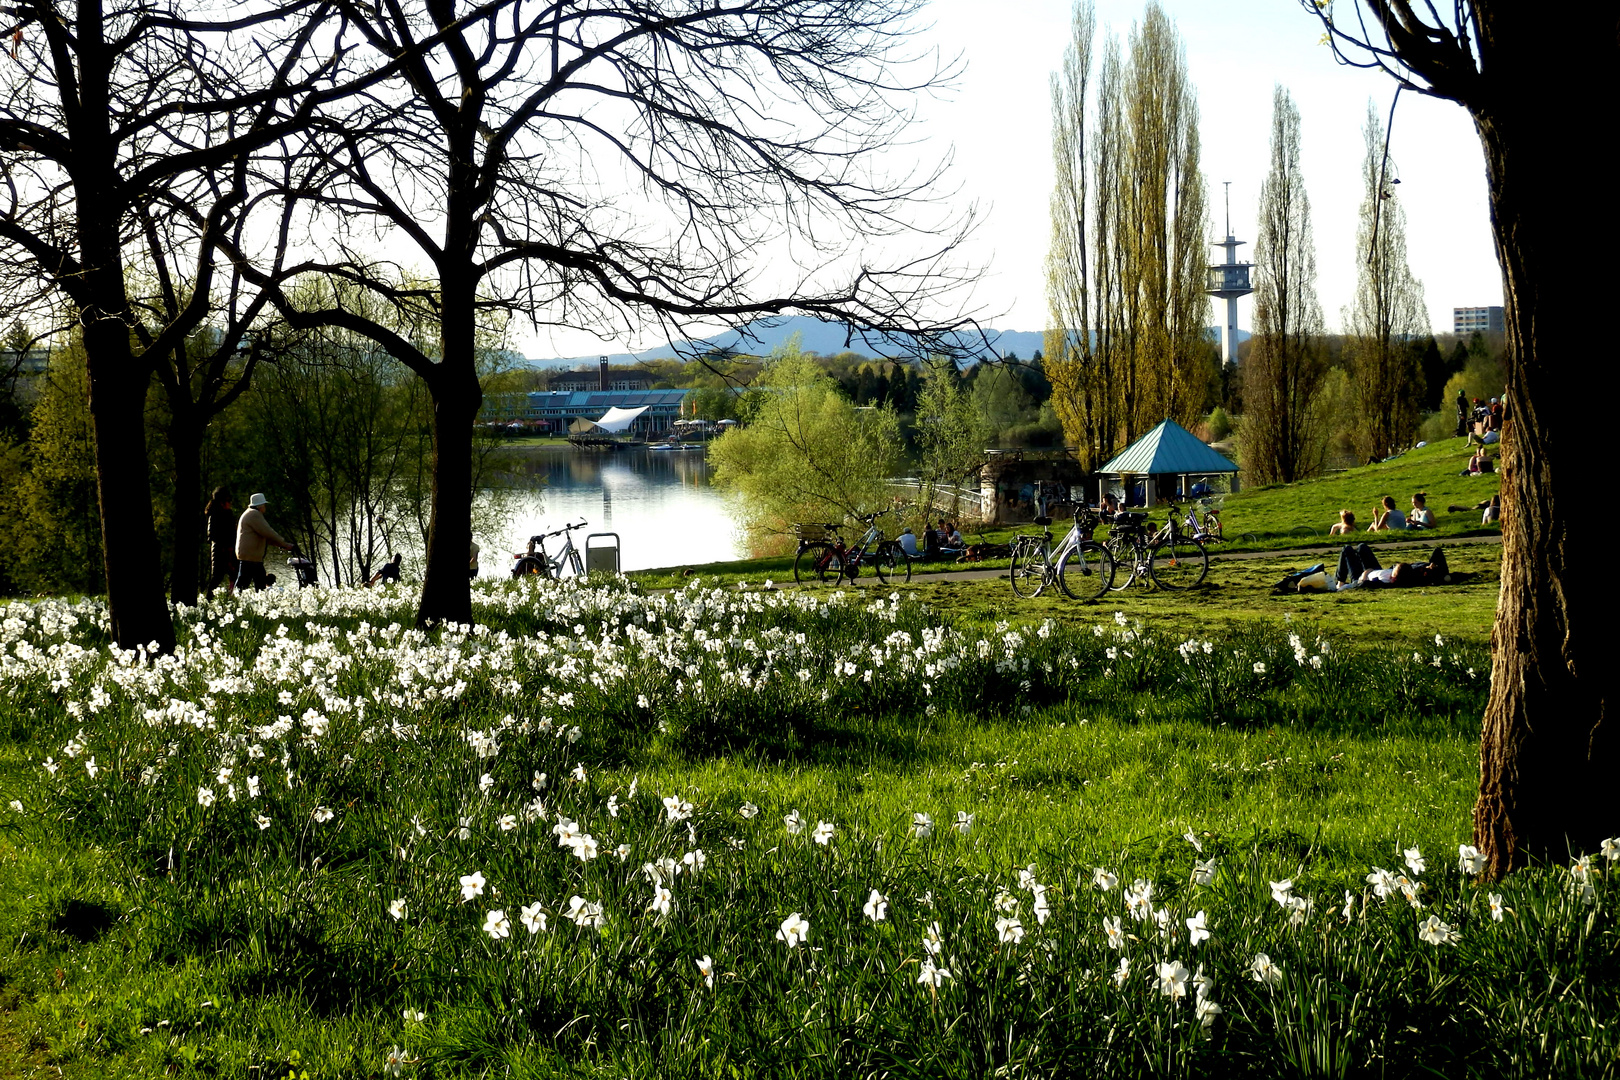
x,y
995,122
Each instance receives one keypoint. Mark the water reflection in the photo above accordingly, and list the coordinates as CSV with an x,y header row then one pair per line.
x,y
660,503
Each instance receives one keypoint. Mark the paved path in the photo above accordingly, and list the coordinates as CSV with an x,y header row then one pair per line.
x,y
1316,550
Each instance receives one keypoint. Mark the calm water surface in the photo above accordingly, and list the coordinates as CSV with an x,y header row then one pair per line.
x,y
660,503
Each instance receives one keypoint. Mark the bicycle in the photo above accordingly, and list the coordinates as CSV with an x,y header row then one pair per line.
x,y
822,552
1167,558
538,563
1204,521
1080,566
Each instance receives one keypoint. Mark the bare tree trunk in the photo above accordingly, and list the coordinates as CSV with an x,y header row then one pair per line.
x,y
185,443
137,608
1547,751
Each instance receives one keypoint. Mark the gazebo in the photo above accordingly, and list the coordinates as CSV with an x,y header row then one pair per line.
x,y
1166,461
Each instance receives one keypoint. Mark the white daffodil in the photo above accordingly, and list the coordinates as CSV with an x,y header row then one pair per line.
x,y
584,914
1382,882
1469,860
1005,902
933,940
963,823
1171,979
1122,972
394,1062
1009,930
823,832
931,976
676,808
794,930
533,917
1207,1011
1415,861
1193,840
508,822
496,924
1496,906
1581,869
1116,936
1203,872
1435,932
613,806
1103,879
1040,907
1264,971
705,966
322,814
485,782
472,886
663,900
205,797
414,1016
794,823
397,910
1282,891
694,860
579,774
1611,848
1196,929
748,810
877,906
584,847
261,821
922,826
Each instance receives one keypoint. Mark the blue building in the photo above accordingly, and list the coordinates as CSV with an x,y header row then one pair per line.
x,y
560,408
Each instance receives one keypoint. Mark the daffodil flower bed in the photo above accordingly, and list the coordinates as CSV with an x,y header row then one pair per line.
x,y
429,853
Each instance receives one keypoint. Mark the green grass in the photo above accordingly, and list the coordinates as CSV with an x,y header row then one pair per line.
x,y
151,934
1259,519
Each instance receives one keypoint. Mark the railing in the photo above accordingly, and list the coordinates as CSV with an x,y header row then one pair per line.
x,y
957,502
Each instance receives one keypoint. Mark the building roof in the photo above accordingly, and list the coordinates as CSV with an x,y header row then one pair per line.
x,y
604,399
1168,448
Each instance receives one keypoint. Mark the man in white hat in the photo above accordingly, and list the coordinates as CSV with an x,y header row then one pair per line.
x,y
253,533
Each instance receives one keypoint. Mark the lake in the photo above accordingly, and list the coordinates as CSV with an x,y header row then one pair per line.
x,y
660,503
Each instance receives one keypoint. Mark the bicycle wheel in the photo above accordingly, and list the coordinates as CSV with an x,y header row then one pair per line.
x,y
1086,573
1179,564
804,567
832,567
1123,552
1028,570
893,564
529,566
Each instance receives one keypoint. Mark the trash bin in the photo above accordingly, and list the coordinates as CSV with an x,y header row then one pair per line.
x,y
603,557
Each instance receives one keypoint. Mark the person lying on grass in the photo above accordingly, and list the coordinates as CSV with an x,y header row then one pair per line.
x,y
1359,568
1492,507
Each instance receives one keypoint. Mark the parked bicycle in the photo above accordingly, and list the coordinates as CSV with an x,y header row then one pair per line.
x,y
1168,558
537,562
1204,520
1080,566
823,554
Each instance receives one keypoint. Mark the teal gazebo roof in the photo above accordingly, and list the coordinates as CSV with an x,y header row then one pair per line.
x,y
1168,448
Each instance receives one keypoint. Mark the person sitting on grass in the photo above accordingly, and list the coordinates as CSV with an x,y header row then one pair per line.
x,y
1346,523
908,542
1421,516
1492,507
953,538
1388,518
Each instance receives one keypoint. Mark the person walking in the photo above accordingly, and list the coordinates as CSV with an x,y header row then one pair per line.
x,y
253,535
1462,414
220,522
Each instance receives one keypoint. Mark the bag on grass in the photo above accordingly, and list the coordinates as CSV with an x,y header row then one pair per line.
x,y
1291,583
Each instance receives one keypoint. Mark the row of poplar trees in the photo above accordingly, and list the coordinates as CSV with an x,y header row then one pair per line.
x,y
1125,273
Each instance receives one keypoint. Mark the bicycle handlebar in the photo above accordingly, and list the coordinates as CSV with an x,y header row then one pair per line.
x,y
559,532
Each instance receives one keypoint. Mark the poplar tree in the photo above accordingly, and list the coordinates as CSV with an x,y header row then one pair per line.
x,y
1284,435
1387,315
1125,271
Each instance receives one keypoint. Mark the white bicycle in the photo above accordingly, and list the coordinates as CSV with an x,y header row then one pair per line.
x,y
537,562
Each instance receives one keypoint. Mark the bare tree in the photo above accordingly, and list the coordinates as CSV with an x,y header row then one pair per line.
x,y
1284,435
111,110
736,129
1125,272
1387,316
1547,751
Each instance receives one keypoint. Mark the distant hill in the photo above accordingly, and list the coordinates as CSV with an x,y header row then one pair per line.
x,y
762,336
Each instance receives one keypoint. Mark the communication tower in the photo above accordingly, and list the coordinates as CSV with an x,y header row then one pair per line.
x,y
1229,280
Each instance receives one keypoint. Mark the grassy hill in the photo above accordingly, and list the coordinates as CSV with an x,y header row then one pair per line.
x,y
1285,515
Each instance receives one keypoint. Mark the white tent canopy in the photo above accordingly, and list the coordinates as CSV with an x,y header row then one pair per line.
x,y
617,420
